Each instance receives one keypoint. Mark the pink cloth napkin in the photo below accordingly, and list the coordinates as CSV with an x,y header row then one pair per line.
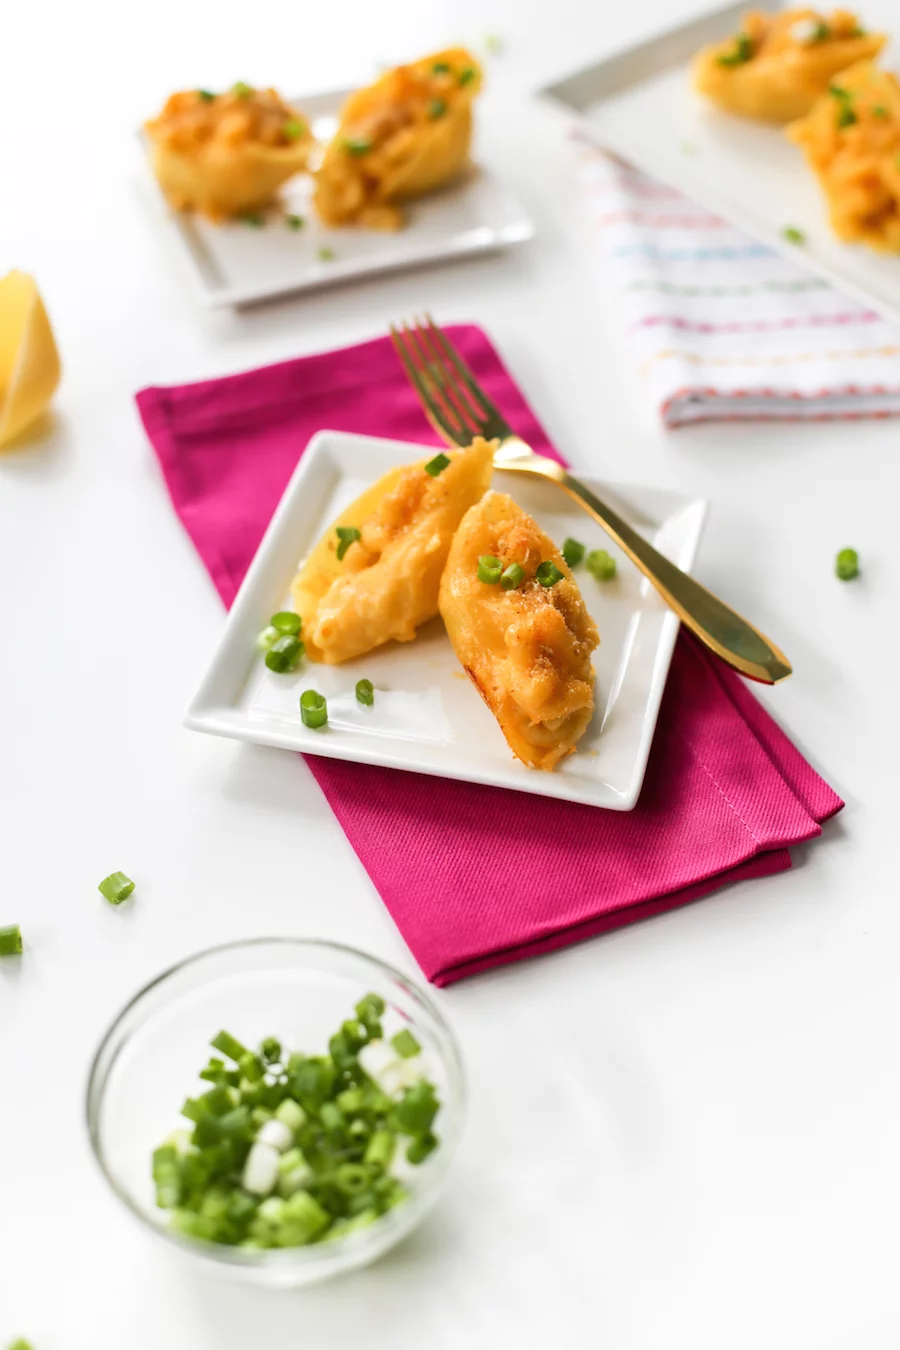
x,y
475,876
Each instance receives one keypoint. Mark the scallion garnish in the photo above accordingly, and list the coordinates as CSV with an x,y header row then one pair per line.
x,y
440,68
294,129
284,655
267,637
490,569
11,940
347,535
466,76
365,692
21,1345
405,1043
573,552
357,145
325,254
548,574
512,577
286,621
437,465
253,219
739,54
880,111
601,565
116,887
294,222
846,564
205,95
229,1046
846,116
821,32
242,90
313,709
793,235
436,108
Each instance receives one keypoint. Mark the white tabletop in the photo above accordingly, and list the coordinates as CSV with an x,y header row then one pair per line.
x,y
683,1134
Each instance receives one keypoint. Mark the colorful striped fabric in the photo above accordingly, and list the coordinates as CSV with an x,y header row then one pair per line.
x,y
724,327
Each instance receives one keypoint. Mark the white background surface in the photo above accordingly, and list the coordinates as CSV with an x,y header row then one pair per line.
x,y
683,1134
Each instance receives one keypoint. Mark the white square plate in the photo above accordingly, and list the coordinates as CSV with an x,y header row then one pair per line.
x,y
640,104
234,264
427,716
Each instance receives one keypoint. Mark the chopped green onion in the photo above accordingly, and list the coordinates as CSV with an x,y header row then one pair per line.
x,y
440,68
437,465
405,1044
325,254
466,76
21,1345
380,1149
846,564
347,535
253,219
365,692
294,222
241,89
270,1049
351,1178
11,940
205,96
420,1149
251,1067
880,111
416,1110
313,709
601,565
512,576
267,637
821,32
294,129
490,569
573,552
284,655
840,93
116,887
846,116
229,1046
740,54
436,108
286,621
370,1008
548,574
356,145
793,235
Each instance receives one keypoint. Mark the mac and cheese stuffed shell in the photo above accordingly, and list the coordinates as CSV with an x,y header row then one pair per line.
x,y
402,136
851,140
520,629
225,155
374,576
779,64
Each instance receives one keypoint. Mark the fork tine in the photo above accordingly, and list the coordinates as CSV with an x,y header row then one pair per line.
x,y
450,389
433,411
464,372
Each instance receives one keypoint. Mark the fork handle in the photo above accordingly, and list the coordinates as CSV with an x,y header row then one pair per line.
x,y
722,630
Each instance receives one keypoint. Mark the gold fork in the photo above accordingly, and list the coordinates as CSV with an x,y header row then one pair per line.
x,y
459,409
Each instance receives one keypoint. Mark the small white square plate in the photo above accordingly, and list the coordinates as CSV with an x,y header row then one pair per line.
x,y
235,264
427,716
640,104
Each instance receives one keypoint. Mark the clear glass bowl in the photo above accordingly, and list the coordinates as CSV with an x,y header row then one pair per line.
x,y
300,991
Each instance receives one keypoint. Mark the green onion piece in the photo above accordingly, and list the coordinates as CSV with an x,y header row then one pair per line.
x,y
405,1044
325,254
416,1110
846,564
271,1051
11,940
365,692
267,637
116,887
466,76
294,222
840,93
370,1008
420,1149
332,1117
601,565
21,1345
205,96
214,1071
241,89
294,129
440,68
229,1046
304,1219
356,145
351,1100
351,1178
548,574
286,621
490,569
251,1067
512,576
437,465
284,655
380,1149
793,235
573,552
253,219
880,111
857,31
821,32
436,108
347,535
313,709
740,54
291,1114
846,116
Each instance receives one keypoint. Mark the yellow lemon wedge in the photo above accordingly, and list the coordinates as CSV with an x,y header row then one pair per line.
x,y
29,360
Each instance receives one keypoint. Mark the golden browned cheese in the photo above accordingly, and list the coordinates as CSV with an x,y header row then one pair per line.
x,y
528,650
226,155
402,136
779,64
851,140
386,585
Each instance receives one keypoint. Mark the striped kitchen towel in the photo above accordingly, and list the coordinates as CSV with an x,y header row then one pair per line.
x,y
727,328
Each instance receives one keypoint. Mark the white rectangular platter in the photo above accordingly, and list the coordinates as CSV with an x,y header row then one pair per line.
x,y
427,716
235,264
640,105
